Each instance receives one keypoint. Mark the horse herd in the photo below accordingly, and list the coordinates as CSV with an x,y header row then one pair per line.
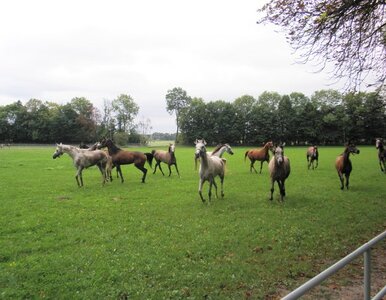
x,y
212,164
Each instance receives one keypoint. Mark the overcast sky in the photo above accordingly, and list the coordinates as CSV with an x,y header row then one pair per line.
x,y
213,49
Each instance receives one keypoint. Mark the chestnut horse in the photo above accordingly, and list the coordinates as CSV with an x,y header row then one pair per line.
x,y
343,164
261,155
167,157
279,169
381,154
122,157
312,155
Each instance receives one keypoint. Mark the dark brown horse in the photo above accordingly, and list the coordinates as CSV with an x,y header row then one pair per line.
x,y
261,155
312,155
279,170
167,157
381,154
343,164
122,157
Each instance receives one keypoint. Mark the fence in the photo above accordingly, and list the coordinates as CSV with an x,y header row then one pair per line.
x,y
364,249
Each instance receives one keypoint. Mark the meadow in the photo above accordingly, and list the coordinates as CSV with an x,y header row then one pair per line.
x,y
159,241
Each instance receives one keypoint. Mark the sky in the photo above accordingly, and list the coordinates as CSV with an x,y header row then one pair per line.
x,y
58,50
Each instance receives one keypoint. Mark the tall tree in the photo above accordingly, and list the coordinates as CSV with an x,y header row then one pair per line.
x,y
176,101
126,110
349,34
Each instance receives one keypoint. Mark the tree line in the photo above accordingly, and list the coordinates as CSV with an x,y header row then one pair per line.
x,y
327,117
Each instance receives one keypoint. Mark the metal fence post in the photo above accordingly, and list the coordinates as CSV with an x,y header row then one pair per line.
x,y
367,274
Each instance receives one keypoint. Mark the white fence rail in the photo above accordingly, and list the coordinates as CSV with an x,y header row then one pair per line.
x,y
364,249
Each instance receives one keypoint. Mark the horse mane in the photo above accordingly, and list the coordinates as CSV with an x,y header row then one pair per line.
x,y
218,147
114,148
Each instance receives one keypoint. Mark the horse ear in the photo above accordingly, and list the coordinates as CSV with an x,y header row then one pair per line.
x,y
283,144
195,142
204,142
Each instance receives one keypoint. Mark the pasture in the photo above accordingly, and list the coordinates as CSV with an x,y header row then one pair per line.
x,y
158,240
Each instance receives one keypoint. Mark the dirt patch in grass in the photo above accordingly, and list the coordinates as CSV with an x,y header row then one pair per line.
x,y
347,283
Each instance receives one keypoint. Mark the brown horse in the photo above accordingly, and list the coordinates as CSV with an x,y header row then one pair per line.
x,y
343,164
381,154
167,157
312,155
279,170
122,157
261,155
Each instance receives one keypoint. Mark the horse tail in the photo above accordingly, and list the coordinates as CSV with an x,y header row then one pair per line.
x,y
245,156
149,158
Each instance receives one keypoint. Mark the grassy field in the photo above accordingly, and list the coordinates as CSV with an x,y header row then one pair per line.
x,y
157,240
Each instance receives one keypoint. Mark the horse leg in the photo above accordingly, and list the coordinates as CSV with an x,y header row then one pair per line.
x,y
272,189
79,175
347,180
144,171
308,163
119,171
200,190
159,166
341,180
317,163
252,166
170,170
282,190
177,170
381,164
261,165
210,189
222,186
215,186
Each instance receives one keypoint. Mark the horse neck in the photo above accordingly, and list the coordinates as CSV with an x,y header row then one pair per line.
x,y
113,149
204,160
266,148
346,156
71,151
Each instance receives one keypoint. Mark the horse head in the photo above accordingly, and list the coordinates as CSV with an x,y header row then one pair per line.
x,y
228,149
351,148
59,151
172,148
200,147
378,143
278,153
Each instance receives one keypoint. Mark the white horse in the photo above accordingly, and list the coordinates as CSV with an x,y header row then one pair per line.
x,y
279,169
82,159
210,167
218,151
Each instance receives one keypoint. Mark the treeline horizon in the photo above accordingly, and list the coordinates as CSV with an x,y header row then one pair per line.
x,y
328,117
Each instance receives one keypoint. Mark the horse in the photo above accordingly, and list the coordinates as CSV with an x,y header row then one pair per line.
x,y
279,169
381,154
343,164
218,151
83,159
123,157
261,155
167,157
312,155
210,167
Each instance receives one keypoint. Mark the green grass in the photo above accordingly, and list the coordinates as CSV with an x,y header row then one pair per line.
x,y
157,240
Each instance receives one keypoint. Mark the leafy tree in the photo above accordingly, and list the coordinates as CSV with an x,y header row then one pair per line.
x,y
176,101
349,34
244,116
125,110
86,119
